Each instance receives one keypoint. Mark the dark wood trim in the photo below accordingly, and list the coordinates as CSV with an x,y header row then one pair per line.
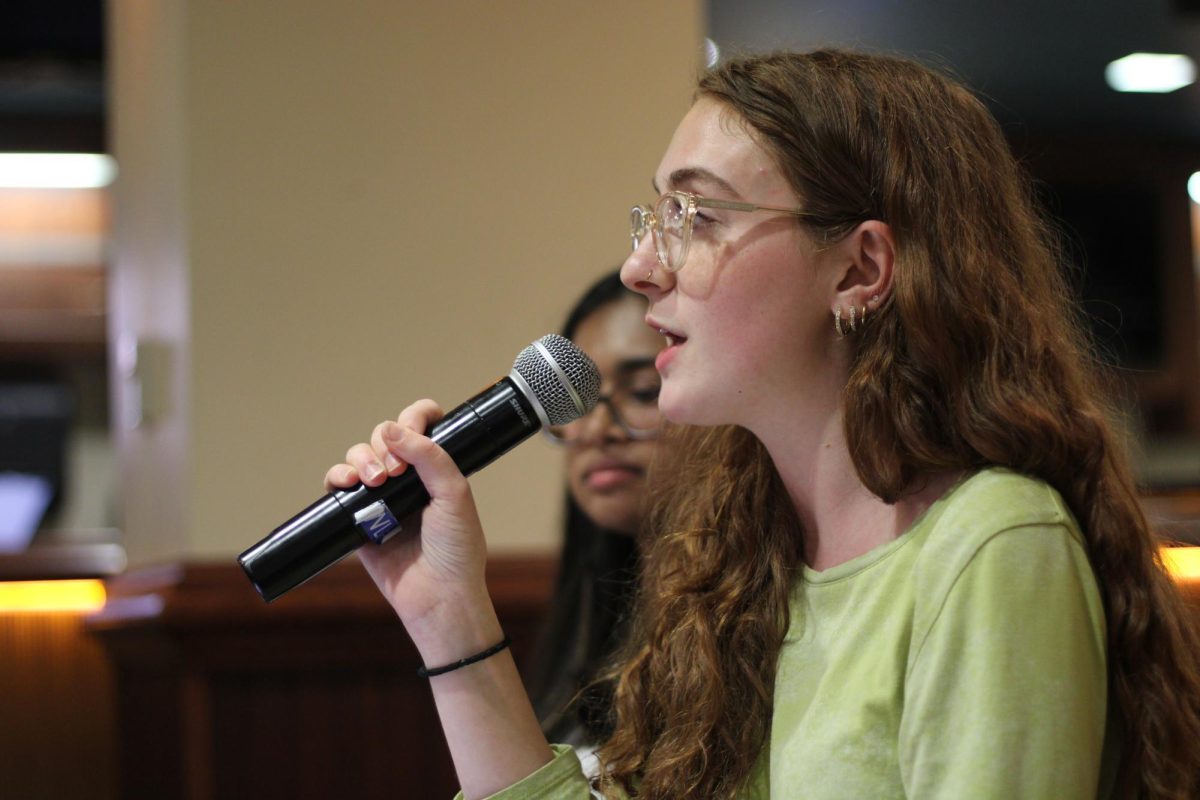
x,y
60,561
56,709
219,694
52,313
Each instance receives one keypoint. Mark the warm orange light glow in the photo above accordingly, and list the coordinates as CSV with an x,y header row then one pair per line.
x,y
1183,563
73,595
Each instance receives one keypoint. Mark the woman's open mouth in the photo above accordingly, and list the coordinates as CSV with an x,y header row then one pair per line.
x,y
674,342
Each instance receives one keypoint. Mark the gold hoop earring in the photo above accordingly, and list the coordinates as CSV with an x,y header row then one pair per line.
x,y
837,322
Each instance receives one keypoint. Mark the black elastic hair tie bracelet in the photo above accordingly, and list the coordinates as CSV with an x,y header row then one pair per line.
x,y
424,672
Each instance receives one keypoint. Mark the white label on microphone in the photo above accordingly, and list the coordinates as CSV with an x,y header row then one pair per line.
x,y
377,522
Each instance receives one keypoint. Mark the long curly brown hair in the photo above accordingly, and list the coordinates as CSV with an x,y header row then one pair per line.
x,y
978,357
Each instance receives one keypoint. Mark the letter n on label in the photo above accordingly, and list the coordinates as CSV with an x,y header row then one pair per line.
x,y
377,522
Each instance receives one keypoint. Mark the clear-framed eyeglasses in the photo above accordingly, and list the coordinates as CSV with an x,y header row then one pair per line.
x,y
670,223
632,404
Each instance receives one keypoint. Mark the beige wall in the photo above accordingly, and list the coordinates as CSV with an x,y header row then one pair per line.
x,y
328,209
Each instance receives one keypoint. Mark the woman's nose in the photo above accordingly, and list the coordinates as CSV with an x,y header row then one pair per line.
x,y
641,271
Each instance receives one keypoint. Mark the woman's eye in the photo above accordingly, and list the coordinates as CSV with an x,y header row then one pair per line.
x,y
646,396
705,226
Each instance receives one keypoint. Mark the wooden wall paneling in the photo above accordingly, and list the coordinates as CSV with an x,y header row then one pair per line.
x,y
56,709
314,695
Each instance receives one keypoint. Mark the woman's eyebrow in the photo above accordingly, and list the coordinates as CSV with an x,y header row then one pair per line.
x,y
701,175
697,175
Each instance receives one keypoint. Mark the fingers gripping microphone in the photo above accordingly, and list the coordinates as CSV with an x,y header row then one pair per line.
x,y
552,382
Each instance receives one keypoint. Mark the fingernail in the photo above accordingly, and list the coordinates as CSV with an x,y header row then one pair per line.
x,y
373,471
391,462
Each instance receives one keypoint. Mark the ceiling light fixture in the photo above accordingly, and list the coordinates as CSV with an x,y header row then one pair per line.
x,y
1150,72
56,170
712,53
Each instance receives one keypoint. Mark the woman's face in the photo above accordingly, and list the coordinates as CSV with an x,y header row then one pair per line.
x,y
747,318
606,468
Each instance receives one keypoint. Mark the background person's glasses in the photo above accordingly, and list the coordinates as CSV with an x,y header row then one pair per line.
x,y
670,223
634,407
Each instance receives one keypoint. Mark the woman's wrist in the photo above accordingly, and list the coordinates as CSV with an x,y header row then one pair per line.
x,y
459,626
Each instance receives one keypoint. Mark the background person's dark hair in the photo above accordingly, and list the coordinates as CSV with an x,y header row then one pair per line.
x,y
596,573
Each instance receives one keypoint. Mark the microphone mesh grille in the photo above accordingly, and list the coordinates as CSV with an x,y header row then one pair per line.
x,y
546,383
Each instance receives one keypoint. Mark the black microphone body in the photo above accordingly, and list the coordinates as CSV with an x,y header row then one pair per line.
x,y
474,434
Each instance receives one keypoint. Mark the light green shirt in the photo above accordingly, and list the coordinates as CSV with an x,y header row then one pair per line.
x,y
964,659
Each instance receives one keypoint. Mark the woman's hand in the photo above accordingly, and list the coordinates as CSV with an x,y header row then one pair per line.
x,y
432,572
438,558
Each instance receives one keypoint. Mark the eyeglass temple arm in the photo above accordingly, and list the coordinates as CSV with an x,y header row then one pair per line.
x,y
708,202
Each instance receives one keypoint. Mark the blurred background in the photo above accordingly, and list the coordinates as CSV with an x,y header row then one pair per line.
x,y
304,215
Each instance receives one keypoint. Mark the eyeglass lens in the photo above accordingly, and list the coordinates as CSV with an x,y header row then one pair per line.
x,y
672,214
633,404
669,225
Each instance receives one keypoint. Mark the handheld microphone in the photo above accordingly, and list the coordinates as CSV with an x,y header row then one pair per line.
x,y
552,383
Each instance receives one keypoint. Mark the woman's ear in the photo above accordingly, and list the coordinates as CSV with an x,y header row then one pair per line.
x,y
868,257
